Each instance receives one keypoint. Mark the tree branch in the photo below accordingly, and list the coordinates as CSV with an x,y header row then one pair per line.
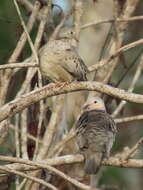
x,y
22,102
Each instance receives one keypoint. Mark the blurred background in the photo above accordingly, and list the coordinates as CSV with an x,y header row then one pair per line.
x,y
91,49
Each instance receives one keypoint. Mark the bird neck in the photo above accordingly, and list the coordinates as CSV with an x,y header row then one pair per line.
x,y
70,41
100,111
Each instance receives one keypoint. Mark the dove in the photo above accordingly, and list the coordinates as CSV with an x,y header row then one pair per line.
x,y
95,134
59,59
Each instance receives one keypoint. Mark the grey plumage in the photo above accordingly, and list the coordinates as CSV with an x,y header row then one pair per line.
x,y
60,61
95,134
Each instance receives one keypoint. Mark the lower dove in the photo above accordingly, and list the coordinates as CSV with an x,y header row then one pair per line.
x,y
95,134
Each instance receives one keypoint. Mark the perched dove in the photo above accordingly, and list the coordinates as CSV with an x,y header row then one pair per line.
x,y
60,61
95,134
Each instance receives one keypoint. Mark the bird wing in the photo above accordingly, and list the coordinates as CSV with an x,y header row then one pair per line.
x,y
73,64
93,128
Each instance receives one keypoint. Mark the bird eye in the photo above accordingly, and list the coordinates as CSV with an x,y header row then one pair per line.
x,y
95,101
71,32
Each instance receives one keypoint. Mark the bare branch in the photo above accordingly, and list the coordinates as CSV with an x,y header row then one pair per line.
x,y
129,152
26,31
29,136
131,87
27,165
22,102
52,127
108,21
58,28
58,146
28,176
127,119
113,55
7,76
77,16
18,65
4,127
50,168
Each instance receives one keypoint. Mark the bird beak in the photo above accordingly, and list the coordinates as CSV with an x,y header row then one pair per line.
x,y
86,107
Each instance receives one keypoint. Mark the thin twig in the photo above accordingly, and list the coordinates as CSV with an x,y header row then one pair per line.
x,y
58,28
31,72
77,16
26,4
4,128
52,126
22,184
40,32
131,87
29,6
50,168
28,135
129,68
104,74
45,16
108,21
41,116
68,159
18,65
63,142
128,153
28,176
17,142
106,43
8,73
128,119
26,31
23,136
113,55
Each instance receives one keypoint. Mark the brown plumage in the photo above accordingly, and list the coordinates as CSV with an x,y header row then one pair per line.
x,y
60,61
95,134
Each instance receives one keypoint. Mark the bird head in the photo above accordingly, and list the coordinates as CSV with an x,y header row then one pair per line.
x,y
94,103
67,32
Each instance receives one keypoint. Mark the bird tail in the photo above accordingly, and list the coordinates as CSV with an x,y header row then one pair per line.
x,y
92,163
